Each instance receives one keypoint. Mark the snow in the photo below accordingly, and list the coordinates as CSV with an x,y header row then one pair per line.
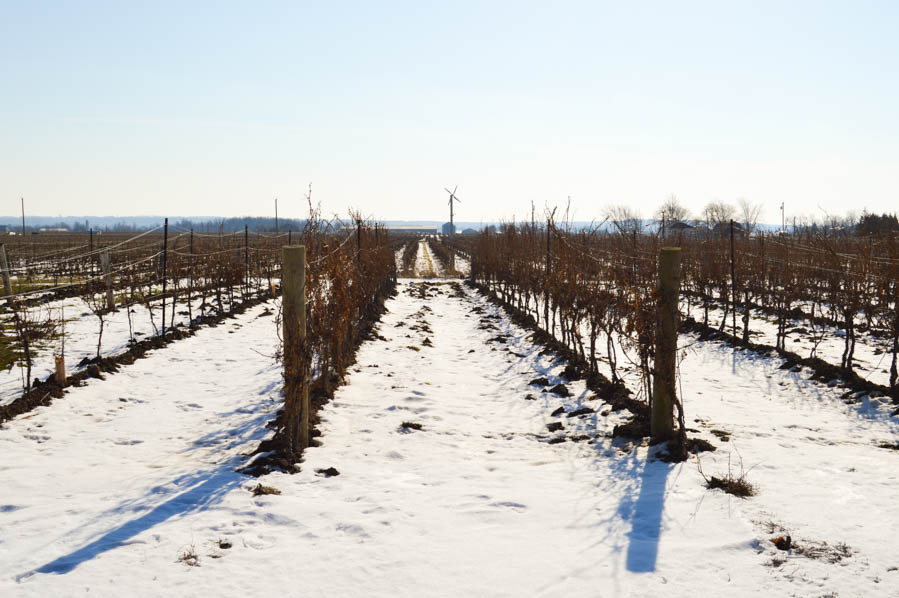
x,y
872,355
463,266
426,265
104,489
82,329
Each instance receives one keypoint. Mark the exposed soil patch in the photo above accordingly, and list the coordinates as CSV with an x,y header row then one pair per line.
x,y
722,435
260,490
572,373
698,445
782,542
560,390
581,411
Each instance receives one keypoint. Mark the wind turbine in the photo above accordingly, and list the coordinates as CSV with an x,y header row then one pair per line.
x,y
452,197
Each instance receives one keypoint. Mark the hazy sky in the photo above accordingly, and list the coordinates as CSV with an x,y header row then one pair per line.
x,y
193,108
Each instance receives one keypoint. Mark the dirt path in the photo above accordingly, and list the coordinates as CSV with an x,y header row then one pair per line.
x,y
426,265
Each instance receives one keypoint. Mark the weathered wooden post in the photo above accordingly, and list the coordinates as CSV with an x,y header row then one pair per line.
x,y
165,263
107,272
293,317
733,281
190,279
60,374
4,269
665,370
246,260
546,274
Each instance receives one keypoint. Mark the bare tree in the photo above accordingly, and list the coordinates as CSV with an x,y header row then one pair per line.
x,y
717,212
750,212
624,218
672,210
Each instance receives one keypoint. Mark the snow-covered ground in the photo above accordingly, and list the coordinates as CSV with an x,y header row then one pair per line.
x,y
81,332
105,489
426,265
762,332
462,265
871,358
118,461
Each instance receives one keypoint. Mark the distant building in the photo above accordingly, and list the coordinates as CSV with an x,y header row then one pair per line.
x,y
412,229
449,229
469,231
678,226
722,229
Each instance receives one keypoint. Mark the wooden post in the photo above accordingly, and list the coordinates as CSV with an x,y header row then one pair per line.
x,y
246,260
107,271
190,279
634,261
546,281
733,281
4,267
60,374
165,255
665,374
296,388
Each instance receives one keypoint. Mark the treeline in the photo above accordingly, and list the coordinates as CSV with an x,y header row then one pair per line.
x,y
211,225
253,223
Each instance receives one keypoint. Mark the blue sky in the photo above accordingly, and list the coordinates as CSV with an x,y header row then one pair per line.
x,y
169,108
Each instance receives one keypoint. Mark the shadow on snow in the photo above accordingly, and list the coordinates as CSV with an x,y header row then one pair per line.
x,y
202,491
645,515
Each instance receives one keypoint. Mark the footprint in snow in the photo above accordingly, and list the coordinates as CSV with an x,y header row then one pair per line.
x,y
352,529
515,506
